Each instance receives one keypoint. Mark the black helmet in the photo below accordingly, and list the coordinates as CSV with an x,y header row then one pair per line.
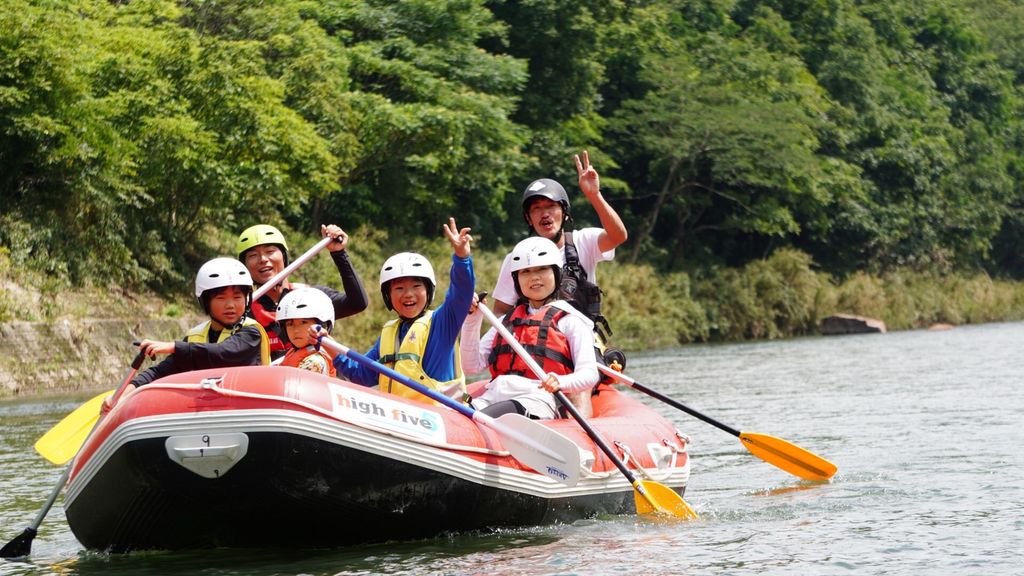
x,y
546,188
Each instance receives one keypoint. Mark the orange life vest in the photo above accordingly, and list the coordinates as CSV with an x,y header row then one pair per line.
x,y
540,336
295,356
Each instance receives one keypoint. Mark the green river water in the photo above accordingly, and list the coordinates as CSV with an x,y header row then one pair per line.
x,y
924,426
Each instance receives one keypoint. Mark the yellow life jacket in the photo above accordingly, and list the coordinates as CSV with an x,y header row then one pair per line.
x,y
200,334
409,357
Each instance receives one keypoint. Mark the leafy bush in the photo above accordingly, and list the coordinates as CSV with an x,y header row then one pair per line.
x,y
772,298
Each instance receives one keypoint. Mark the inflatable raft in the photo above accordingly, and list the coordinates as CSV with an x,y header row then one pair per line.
x,y
276,456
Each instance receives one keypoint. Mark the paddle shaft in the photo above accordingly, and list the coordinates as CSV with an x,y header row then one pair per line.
x,y
776,451
671,402
339,348
136,364
280,276
22,544
474,415
539,372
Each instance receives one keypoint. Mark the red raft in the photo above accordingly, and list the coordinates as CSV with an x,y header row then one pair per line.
x,y
276,456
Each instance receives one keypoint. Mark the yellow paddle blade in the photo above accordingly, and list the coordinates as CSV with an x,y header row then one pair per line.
x,y
62,442
651,496
788,456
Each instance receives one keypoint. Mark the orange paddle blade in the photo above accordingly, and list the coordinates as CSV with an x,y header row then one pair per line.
x,y
788,456
62,442
654,497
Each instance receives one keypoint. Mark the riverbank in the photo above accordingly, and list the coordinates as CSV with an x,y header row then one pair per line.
x,y
61,340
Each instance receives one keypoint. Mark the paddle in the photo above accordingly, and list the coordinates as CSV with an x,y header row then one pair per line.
x,y
69,431
529,441
776,451
649,496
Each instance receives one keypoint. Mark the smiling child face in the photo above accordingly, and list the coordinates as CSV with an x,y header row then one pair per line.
x,y
408,296
537,284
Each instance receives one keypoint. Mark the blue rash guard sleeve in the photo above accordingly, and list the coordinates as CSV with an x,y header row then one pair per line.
x,y
439,357
356,373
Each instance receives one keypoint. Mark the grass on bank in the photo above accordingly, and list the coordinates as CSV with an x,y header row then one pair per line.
x,y
781,296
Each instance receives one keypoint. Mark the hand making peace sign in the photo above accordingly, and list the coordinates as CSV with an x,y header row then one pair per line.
x,y
460,239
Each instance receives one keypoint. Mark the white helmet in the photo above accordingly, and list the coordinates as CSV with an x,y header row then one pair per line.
x,y
535,251
221,272
306,302
406,265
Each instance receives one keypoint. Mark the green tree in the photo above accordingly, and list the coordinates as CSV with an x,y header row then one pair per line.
x,y
729,135
431,114
920,108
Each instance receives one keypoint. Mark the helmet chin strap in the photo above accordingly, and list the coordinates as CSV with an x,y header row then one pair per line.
x,y
229,327
414,318
556,239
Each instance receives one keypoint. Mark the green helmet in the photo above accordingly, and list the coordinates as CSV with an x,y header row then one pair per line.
x,y
259,235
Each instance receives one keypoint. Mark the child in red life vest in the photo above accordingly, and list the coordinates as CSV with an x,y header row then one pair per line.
x,y
298,311
558,336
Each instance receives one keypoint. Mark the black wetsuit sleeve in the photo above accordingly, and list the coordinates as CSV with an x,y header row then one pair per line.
x,y
354,299
241,349
164,368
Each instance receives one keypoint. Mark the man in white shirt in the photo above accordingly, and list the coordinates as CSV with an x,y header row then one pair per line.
x,y
546,209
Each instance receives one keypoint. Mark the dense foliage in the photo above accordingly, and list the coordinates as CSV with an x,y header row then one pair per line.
x,y
137,137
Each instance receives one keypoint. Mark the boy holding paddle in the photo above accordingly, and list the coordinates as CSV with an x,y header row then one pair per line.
x,y
420,343
228,338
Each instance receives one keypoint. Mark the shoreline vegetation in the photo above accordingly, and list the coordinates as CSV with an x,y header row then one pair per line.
x,y
66,339
773,162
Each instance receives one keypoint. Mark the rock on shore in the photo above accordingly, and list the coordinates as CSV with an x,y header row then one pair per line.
x,y
838,324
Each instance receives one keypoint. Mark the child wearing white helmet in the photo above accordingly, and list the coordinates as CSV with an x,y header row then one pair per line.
x,y
228,338
300,310
558,336
420,343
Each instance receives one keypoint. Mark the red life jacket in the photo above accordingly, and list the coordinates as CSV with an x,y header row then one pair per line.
x,y
540,336
295,356
264,311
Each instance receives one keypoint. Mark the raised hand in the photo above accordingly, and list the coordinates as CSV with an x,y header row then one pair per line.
x,y
460,239
590,181
339,235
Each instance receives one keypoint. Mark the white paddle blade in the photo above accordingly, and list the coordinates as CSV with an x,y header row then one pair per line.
x,y
539,447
